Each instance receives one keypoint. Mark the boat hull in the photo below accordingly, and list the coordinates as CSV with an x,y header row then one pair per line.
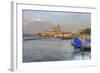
x,y
77,43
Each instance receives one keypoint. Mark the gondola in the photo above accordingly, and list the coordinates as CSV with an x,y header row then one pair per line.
x,y
79,44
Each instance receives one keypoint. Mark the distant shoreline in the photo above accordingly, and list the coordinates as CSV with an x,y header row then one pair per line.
x,y
40,38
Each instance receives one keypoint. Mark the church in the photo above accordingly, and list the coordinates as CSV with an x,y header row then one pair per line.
x,y
56,32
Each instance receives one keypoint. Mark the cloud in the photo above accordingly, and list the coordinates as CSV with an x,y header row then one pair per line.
x,y
36,19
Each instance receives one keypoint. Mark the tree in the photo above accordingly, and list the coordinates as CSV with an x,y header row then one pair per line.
x,y
86,31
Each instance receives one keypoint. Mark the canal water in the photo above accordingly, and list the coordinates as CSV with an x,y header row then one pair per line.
x,y
51,49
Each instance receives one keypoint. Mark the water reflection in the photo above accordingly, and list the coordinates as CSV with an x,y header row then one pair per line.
x,y
51,50
81,55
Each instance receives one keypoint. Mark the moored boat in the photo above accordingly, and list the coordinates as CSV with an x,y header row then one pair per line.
x,y
79,44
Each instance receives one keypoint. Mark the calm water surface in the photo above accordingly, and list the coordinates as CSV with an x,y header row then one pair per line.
x,y
52,49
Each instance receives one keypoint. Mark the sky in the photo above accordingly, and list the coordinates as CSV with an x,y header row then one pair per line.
x,y
34,21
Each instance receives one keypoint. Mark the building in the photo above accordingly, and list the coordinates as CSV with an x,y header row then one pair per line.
x,y
56,32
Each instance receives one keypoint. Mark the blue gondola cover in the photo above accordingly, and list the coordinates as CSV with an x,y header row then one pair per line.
x,y
77,42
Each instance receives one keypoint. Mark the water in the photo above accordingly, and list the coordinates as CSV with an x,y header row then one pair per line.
x,y
51,49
